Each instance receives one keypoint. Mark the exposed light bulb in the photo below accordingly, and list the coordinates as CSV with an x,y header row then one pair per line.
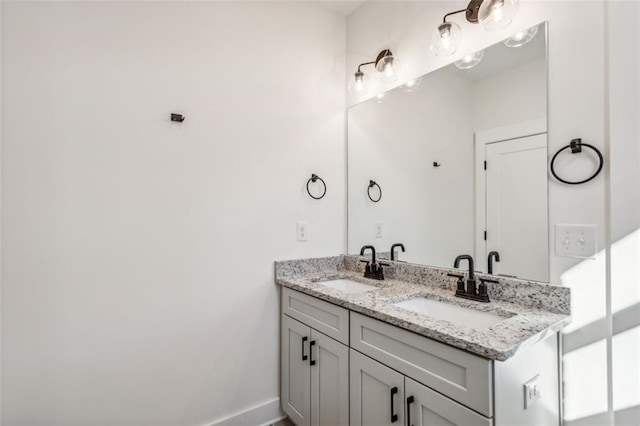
x,y
445,39
470,60
359,85
411,85
388,68
497,14
379,98
518,36
521,38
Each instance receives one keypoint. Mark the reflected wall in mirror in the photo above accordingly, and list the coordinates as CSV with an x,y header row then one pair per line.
x,y
427,149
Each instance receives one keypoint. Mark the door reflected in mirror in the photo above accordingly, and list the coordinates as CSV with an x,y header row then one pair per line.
x,y
462,158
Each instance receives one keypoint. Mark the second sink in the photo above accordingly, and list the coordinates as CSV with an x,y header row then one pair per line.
x,y
450,312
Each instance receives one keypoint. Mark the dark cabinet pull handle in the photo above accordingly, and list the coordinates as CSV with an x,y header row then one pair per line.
x,y
394,417
311,345
409,402
304,339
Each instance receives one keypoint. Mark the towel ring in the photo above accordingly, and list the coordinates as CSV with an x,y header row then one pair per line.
x,y
576,147
314,177
371,185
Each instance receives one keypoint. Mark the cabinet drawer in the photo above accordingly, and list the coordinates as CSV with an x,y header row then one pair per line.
x,y
325,317
457,374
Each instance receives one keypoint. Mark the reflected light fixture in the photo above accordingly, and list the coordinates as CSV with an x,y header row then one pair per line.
x,y
492,14
470,60
411,85
387,67
521,38
379,98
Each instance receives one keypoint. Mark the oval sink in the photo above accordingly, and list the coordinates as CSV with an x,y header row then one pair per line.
x,y
348,286
452,313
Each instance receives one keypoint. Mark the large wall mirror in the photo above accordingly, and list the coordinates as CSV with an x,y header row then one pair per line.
x,y
421,151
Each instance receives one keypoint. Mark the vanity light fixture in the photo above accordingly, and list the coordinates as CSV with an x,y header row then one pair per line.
x,y
521,38
470,60
387,66
492,14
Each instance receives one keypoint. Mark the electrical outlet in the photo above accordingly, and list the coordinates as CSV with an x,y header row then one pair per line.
x,y
531,392
302,231
576,240
378,229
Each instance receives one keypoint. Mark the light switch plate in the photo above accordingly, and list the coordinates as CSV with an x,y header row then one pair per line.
x,y
531,392
576,240
302,231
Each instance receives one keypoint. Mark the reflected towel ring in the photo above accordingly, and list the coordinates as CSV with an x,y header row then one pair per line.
x,y
313,179
576,147
371,185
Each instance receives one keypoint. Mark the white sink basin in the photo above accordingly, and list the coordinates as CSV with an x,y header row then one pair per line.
x,y
348,286
449,312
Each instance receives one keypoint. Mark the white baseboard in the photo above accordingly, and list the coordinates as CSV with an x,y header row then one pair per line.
x,y
263,414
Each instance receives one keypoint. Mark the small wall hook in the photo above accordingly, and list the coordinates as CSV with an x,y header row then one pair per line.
x,y
436,164
177,117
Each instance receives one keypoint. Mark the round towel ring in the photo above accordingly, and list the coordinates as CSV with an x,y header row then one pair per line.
x,y
315,178
371,185
576,147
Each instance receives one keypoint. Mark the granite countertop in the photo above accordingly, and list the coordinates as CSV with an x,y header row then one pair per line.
x,y
542,310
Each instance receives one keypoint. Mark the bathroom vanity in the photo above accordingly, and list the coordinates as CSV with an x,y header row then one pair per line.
x,y
406,351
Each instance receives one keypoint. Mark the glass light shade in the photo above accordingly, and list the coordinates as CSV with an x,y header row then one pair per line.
x,y
521,38
411,85
470,60
380,97
388,69
445,39
497,14
359,85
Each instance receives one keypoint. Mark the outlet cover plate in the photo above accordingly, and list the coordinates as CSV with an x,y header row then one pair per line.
x,y
531,392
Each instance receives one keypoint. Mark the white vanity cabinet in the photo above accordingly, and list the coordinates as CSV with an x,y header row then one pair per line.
x,y
362,371
314,367
382,396
377,392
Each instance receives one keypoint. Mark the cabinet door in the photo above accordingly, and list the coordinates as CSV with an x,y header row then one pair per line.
x,y
329,381
376,394
296,375
426,407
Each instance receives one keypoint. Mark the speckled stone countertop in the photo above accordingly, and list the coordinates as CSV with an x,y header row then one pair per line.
x,y
532,310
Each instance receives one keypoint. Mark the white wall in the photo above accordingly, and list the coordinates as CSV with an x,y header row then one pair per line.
x,y
137,253
513,96
576,109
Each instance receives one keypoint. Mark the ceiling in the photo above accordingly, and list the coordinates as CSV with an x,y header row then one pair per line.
x,y
345,7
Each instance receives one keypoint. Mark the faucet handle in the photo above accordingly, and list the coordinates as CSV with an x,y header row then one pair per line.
x,y
482,288
367,268
460,282
379,271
